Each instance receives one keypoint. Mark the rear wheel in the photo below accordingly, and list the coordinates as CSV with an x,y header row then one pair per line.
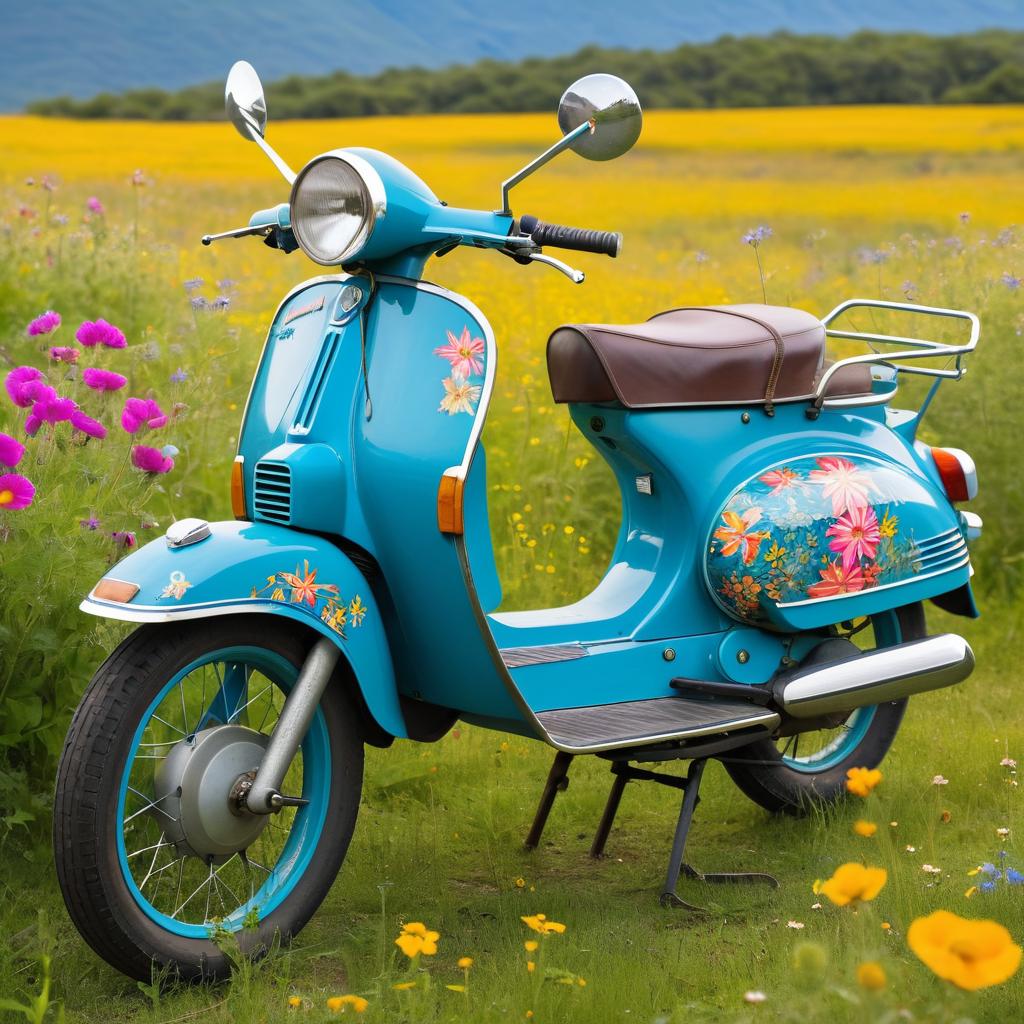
x,y
794,773
156,855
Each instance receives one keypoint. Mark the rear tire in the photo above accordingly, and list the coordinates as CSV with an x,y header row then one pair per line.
x,y
761,772
89,823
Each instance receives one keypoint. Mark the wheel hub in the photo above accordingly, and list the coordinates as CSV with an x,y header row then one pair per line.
x,y
196,792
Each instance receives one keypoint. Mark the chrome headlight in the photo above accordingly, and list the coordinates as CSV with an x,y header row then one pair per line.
x,y
335,202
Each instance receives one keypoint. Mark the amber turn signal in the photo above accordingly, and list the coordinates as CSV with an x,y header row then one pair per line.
x,y
237,488
449,504
115,590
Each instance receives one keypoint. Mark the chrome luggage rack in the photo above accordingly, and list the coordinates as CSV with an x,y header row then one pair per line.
x,y
913,348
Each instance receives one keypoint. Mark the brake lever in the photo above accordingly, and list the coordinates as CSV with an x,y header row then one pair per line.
x,y
257,229
574,275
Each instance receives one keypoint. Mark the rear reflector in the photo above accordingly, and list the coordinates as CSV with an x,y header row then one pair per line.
x,y
958,473
238,488
449,504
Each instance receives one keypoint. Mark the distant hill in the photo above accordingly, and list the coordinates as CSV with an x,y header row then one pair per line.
x,y
752,71
79,49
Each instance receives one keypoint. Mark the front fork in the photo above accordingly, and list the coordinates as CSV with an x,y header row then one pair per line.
x,y
263,795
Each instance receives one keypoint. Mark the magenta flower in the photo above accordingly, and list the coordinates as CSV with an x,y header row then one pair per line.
x,y
16,491
140,412
103,380
16,381
151,460
855,534
95,206
123,538
88,425
99,332
11,450
92,523
50,408
62,354
45,324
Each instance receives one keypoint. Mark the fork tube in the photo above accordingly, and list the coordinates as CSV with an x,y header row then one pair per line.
x,y
264,795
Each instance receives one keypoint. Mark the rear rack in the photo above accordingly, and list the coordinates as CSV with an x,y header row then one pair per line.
x,y
914,348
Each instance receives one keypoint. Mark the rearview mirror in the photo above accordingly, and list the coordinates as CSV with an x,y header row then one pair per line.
x,y
244,101
611,106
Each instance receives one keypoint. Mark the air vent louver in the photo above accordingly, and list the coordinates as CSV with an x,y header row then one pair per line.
x,y
272,492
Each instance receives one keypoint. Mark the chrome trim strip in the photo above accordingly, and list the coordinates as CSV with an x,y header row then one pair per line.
x,y
872,590
155,613
543,654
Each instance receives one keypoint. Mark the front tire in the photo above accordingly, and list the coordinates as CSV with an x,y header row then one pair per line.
x,y
124,866
784,783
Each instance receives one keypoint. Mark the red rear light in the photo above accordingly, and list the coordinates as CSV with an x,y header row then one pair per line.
x,y
958,473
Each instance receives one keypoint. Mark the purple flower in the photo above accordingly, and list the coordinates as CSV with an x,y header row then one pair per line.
x,y
99,332
87,425
1014,877
755,236
16,382
179,376
92,523
226,285
875,256
123,538
60,219
151,460
63,354
1010,281
94,205
139,412
987,886
45,324
11,450
16,492
193,283
103,380
221,302
198,302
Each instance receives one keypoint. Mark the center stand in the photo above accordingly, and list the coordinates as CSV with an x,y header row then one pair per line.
x,y
624,772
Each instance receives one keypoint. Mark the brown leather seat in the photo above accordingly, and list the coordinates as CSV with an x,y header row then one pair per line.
x,y
710,355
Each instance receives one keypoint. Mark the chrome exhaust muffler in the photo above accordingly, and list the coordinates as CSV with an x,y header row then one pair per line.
x,y
889,673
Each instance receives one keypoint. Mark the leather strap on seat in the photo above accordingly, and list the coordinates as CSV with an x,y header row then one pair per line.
x,y
780,348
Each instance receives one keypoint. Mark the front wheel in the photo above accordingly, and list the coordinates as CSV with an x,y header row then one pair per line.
x,y
797,772
155,855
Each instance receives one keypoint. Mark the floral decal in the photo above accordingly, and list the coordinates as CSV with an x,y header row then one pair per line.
x,y
465,356
815,528
302,588
176,587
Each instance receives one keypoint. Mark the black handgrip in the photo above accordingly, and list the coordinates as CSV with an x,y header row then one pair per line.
x,y
604,243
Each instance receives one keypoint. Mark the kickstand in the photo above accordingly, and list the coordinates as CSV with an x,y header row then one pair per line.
x,y
558,782
676,865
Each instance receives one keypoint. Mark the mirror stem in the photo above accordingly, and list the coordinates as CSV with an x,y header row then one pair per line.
x,y
534,165
287,173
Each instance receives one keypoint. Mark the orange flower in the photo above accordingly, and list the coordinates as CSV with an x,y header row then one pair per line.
x,y
871,975
865,828
539,923
860,781
971,954
853,883
736,534
338,1004
416,938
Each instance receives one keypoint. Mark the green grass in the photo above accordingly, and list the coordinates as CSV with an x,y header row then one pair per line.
x,y
440,840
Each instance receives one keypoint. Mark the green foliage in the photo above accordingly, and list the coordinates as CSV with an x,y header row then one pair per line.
x,y
751,71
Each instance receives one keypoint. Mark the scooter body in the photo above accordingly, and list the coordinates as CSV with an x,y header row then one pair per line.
x,y
355,598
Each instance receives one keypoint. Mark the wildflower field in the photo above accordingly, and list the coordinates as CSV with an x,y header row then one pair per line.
x,y
124,415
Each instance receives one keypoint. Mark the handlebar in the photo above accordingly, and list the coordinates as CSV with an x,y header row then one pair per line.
x,y
604,243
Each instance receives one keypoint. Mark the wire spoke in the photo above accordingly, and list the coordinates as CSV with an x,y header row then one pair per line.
x,y
146,849
152,803
152,863
157,718
238,711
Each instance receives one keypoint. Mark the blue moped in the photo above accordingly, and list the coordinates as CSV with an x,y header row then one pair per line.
x,y
781,527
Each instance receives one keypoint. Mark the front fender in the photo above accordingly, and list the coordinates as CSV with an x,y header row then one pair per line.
x,y
258,567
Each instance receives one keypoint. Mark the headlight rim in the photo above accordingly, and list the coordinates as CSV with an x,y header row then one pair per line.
x,y
376,207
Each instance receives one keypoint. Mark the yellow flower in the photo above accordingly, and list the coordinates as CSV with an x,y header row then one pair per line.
x,y
277,595
416,938
531,945
853,882
520,883
530,966
404,986
865,828
971,954
887,527
860,781
539,923
338,1003
294,1002
456,988
871,975
465,962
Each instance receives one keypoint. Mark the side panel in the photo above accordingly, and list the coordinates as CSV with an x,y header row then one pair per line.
x,y
258,567
821,538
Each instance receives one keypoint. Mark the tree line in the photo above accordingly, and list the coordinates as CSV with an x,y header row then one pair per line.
x,y
782,69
